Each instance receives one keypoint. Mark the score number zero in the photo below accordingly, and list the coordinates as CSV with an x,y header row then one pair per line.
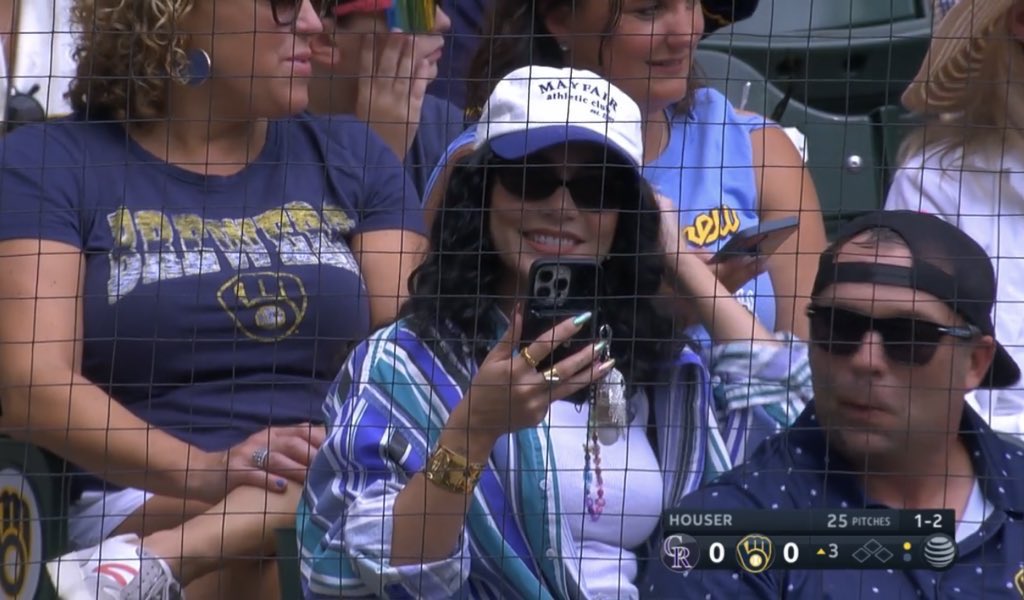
x,y
790,552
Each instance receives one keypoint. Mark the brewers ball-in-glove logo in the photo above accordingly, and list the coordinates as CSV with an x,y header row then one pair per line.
x,y
266,306
755,553
20,536
1018,581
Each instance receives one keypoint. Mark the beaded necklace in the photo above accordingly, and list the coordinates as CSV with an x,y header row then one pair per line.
x,y
605,420
595,505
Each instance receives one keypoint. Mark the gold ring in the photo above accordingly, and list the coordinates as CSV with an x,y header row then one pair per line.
x,y
551,375
525,353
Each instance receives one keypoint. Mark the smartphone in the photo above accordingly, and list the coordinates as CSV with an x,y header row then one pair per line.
x,y
760,240
561,289
412,16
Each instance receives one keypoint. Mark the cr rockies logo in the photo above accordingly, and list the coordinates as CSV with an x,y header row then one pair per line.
x,y
680,552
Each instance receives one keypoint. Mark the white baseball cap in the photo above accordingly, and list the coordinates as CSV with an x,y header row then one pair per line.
x,y
534,107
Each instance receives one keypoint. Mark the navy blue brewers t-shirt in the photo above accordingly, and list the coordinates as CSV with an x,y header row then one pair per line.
x,y
214,306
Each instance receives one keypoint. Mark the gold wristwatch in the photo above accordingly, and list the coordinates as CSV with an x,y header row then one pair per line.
x,y
452,471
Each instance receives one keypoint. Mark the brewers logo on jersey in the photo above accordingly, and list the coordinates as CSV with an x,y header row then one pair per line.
x,y
20,536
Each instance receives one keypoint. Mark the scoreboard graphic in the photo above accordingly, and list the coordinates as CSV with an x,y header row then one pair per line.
x,y
758,540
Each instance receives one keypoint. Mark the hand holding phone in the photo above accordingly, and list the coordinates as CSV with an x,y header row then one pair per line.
x,y
761,240
560,289
509,391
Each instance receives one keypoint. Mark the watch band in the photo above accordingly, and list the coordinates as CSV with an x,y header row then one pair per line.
x,y
452,471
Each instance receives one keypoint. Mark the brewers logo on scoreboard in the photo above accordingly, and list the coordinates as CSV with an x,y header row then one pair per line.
x,y
21,537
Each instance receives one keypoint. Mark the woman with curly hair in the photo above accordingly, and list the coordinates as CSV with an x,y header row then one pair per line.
x,y
184,263
457,464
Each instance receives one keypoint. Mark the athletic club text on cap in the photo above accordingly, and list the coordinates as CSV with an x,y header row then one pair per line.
x,y
596,96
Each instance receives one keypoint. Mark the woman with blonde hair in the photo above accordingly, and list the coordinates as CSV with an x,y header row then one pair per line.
x,y
966,164
184,263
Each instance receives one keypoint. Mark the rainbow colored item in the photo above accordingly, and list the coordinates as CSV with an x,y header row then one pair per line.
x,y
412,16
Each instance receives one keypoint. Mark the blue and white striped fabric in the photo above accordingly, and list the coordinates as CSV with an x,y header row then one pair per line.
x,y
385,413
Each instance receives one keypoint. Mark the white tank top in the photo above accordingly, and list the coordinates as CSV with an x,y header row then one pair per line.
x,y
606,546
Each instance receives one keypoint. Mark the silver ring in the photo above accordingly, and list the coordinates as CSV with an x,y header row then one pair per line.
x,y
259,457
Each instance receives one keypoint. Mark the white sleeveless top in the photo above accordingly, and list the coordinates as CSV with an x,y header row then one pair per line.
x,y
606,546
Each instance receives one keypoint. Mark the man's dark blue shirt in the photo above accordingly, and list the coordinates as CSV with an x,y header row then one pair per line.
x,y
796,470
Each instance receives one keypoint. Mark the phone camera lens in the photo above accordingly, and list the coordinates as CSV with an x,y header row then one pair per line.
x,y
546,276
562,285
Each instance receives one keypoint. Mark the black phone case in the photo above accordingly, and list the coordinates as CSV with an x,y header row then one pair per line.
x,y
561,289
761,239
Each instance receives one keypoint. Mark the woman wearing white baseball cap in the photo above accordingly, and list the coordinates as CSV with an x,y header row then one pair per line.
x,y
459,462
721,169
966,164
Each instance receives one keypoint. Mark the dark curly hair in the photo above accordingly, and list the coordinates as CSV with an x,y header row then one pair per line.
x,y
459,282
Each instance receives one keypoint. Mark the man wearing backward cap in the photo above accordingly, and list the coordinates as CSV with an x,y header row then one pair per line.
x,y
900,331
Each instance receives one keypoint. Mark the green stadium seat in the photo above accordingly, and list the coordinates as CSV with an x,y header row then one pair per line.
x,y
895,123
34,495
839,56
843,152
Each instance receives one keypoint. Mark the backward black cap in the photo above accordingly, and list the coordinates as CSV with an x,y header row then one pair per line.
x,y
947,263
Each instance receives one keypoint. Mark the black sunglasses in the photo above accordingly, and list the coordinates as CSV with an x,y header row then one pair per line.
x,y
593,186
286,12
906,340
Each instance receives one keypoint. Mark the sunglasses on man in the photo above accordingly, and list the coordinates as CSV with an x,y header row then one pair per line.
x,y
905,340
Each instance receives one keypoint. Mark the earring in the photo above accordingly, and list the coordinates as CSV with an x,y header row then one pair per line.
x,y
198,69
563,47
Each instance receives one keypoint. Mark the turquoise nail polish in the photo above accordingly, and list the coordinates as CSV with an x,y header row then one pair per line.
x,y
600,346
581,319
